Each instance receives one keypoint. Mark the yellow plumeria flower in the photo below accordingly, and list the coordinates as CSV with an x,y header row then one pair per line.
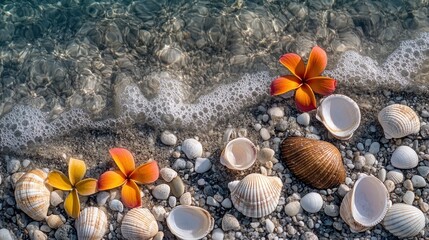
x,y
74,184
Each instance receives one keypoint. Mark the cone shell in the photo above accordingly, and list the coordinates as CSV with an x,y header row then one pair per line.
x,y
139,223
31,194
404,157
398,121
188,222
403,220
239,154
317,163
256,195
91,224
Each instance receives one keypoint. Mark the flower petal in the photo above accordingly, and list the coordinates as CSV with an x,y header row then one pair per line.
x,y
305,99
284,84
87,186
130,195
110,180
72,204
58,180
316,62
123,159
294,64
146,173
77,170
322,85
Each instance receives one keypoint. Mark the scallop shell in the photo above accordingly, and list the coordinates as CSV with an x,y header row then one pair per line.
x,y
188,222
312,202
346,214
340,115
31,194
404,157
239,154
396,176
139,223
317,163
91,224
398,121
256,195
403,220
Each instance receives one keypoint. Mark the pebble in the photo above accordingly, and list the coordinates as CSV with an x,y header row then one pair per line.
x,y
159,213
5,234
158,236
338,226
177,186
218,234
269,225
408,185
418,181
36,235
343,190
332,210
360,146
13,166
370,159
229,222
161,192
423,206
309,236
192,148
186,199
276,113
201,182
54,221
265,155
382,174
265,134
56,197
212,202
102,198
26,163
179,164
374,148
303,119
45,228
390,185
423,171
202,165
257,127
0,179
168,174
226,203
312,202
359,162
65,232
425,114
172,201
168,138
291,230
408,197
293,208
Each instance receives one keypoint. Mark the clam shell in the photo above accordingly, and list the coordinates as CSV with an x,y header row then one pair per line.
x,y
317,163
256,195
139,223
312,202
404,157
398,121
340,115
403,220
396,176
188,222
346,214
91,224
31,194
239,154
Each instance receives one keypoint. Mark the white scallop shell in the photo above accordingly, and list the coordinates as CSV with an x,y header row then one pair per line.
x,y
398,121
403,220
139,223
312,202
192,148
340,115
256,195
91,224
404,157
189,222
396,176
239,154
369,201
31,194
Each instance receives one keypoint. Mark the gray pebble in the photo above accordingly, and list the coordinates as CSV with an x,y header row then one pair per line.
x,y
172,201
45,228
293,208
343,190
177,186
276,113
226,203
374,148
168,138
229,222
418,181
5,234
425,114
26,163
360,146
186,199
212,202
161,192
269,225
13,166
179,164
37,235
338,226
202,165
102,198
303,119
257,127
116,205
423,170
332,210
370,159
218,234
65,232
359,162
309,236
408,197
265,155
159,213
291,230
265,134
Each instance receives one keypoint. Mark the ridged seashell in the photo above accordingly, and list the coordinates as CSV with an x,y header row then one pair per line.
x,y
189,222
403,220
312,202
398,121
346,214
340,115
396,176
91,224
317,163
404,157
192,148
239,154
256,195
54,221
31,194
139,223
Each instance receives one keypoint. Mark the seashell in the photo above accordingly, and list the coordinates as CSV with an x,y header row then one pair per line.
x,y
404,157
91,224
312,202
54,221
192,148
404,221
239,154
139,223
340,115
31,194
396,176
256,195
398,121
317,163
189,222
346,214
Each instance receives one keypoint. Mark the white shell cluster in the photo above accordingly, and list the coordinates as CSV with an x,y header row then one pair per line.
x,y
256,195
340,115
91,224
404,157
398,121
139,223
239,154
189,222
404,221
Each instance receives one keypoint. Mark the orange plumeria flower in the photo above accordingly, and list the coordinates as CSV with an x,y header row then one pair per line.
x,y
73,183
127,176
304,80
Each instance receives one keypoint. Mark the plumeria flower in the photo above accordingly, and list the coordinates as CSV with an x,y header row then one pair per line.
x,y
305,80
128,176
74,184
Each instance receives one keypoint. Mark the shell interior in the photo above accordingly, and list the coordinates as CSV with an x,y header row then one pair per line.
x,y
239,154
346,214
189,222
